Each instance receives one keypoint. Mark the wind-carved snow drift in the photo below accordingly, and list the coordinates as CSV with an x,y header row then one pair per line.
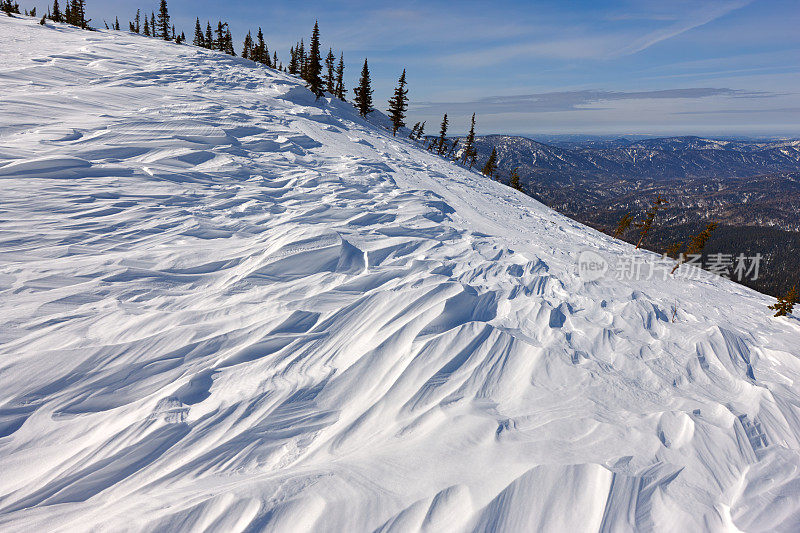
x,y
228,307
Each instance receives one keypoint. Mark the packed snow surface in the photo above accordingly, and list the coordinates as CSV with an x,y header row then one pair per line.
x,y
229,307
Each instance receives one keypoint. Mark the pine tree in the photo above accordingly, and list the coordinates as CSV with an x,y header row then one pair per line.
x,y
696,242
363,92
146,26
330,72
421,130
491,165
293,66
6,7
153,24
398,104
247,47
261,50
443,134
76,14
301,58
340,89
116,23
453,148
228,49
314,67
198,34
55,16
514,180
174,36
672,250
470,142
209,37
12,8
785,304
68,13
623,225
219,43
275,61
163,21
645,226
136,20
80,16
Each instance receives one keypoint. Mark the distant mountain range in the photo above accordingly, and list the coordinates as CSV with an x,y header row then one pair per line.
x,y
657,159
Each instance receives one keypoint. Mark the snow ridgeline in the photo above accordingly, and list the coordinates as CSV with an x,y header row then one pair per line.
x,y
228,307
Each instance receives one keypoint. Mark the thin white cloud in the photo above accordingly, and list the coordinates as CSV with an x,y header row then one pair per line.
x,y
598,42
577,100
705,14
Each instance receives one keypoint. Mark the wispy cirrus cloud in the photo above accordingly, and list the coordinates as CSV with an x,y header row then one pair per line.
x,y
621,35
576,100
782,110
703,14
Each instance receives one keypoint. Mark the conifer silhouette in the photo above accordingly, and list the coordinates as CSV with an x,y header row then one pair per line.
x,y
340,88
228,46
55,16
363,92
294,67
330,72
247,46
219,42
491,164
443,134
398,104
514,180
421,130
261,52
302,60
469,144
209,37
453,148
199,40
314,65
78,14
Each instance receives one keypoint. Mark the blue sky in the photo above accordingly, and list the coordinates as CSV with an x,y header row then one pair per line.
x,y
716,67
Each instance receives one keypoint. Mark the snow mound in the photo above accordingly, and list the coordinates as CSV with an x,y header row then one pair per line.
x,y
236,308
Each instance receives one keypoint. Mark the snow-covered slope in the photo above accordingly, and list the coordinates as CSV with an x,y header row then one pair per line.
x,y
228,307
